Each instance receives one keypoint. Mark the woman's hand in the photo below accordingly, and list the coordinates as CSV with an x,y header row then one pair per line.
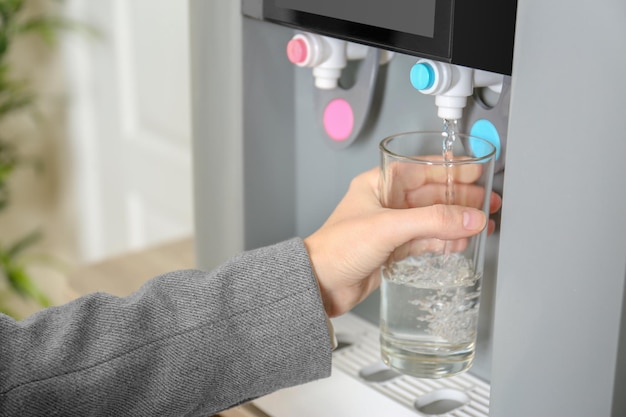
x,y
350,247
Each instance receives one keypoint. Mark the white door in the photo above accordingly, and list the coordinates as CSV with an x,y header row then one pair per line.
x,y
130,124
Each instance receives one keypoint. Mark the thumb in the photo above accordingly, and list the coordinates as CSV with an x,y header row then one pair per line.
x,y
441,221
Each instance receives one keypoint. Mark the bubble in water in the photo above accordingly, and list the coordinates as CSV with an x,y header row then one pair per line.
x,y
445,294
432,270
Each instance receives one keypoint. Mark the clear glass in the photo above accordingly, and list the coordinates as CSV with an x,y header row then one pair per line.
x,y
430,288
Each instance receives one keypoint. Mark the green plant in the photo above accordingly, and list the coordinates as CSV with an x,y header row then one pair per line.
x,y
19,19
16,274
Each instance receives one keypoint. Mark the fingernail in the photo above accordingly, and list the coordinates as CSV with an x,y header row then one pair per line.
x,y
473,220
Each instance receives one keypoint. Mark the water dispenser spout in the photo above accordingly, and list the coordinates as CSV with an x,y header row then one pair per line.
x,y
327,56
451,84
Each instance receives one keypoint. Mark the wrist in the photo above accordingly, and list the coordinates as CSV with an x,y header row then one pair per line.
x,y
325,302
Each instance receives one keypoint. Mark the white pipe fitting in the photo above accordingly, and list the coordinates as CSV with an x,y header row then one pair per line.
x,y
328,72
327,56
487,79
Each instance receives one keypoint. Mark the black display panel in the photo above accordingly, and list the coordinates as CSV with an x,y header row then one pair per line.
x,y
400,25
415,17
473,33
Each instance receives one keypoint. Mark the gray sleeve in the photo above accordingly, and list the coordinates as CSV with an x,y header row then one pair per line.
x,y
188,343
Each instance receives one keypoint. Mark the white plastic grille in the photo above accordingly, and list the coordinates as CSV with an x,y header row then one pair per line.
x,y
362,351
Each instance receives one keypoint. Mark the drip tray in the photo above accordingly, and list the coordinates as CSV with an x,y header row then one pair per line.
x,y
362,386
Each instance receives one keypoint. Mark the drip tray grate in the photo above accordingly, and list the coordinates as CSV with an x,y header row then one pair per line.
x,y
358,356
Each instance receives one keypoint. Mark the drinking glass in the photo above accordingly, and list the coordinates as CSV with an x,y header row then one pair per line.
x,y
430,288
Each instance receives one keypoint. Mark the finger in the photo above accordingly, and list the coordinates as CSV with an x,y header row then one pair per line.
x,y
419,247
469,195
414,174
462,173
361,197
495,202
445,222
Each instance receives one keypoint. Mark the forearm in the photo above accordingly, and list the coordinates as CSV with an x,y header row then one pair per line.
x,y
187,343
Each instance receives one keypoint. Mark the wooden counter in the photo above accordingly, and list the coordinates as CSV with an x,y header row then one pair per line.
x,y
124,274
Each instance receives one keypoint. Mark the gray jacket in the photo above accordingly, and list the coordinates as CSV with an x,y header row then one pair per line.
x,y
188,343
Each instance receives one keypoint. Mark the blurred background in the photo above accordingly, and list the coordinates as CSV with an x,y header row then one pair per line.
x,y
105,162
129,124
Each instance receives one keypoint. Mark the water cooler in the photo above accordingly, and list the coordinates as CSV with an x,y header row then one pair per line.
x,y
324,81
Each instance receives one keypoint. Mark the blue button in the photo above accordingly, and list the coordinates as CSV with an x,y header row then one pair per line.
x,y
422,76
484,129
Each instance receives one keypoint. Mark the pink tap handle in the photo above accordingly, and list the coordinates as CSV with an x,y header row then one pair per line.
x,y
297,51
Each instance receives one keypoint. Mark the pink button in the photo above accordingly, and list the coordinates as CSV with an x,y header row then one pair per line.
x,y
297,50
338,119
